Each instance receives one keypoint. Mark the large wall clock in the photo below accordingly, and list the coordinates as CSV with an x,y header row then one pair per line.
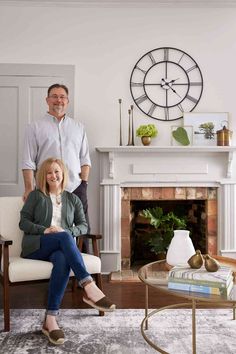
x,y
165,83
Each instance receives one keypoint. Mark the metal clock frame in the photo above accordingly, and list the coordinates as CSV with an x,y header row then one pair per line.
x,y
166,84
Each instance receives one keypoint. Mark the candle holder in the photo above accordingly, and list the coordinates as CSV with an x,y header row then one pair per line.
x,y
132,125
129,130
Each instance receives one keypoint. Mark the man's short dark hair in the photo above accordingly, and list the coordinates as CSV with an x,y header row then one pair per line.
x,y
58,86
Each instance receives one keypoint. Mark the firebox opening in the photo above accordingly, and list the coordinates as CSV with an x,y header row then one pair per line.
x,y
193,210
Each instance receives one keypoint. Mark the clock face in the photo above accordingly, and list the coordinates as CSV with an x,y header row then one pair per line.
x,y
165,83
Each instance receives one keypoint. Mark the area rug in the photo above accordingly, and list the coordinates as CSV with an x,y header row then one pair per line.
x,y
119,332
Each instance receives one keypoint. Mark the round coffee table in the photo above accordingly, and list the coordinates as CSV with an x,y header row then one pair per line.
x,y
155,275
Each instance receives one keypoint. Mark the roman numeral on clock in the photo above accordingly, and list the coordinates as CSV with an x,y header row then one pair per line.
x,y
166,54
192,68
180,107
152,58
195,83
138,68
166,113
191,98
152,109
140,99
136,84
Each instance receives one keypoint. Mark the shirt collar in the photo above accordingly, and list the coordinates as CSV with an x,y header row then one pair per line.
x,y
55,119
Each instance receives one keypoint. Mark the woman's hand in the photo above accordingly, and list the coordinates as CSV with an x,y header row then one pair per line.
x,y
53,229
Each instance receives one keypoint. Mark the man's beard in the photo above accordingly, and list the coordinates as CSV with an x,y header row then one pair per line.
x,y
59,109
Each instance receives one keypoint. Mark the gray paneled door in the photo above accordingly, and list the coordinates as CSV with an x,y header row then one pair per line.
x,y
23,89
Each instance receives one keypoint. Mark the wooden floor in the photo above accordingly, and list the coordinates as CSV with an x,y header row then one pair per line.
x,y
126,295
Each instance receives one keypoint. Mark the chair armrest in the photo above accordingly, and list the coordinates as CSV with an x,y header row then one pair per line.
x,y
4,241
94,238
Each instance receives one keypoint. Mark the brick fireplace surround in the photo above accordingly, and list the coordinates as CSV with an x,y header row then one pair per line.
x,y
130,173
166,193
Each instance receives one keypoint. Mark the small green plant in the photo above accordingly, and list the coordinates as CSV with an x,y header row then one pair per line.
x,y
147,130
207,129
163,228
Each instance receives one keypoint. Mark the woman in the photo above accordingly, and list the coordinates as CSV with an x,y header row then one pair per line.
x,y
50,219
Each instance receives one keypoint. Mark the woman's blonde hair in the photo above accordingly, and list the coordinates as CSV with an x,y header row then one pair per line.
x,y
41,175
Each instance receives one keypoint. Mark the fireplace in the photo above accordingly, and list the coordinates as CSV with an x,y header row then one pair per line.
x,y
170,174
200,205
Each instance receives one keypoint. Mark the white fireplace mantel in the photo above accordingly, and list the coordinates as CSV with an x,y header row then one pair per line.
x,y
194,151
160,166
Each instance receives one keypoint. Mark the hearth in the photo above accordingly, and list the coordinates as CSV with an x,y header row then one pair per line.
x,y
199,205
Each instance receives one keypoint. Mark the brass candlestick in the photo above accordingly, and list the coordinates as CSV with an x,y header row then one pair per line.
x,y
120,101
129,131
132,125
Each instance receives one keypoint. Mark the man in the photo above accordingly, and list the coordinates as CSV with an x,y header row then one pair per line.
x,y
58,136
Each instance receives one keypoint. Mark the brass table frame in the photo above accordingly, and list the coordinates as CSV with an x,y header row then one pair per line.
x,y
193,302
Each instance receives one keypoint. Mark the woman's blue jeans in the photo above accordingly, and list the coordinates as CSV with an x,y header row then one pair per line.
x,y
60,249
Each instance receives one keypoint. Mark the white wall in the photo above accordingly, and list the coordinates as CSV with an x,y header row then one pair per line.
x,y
104,45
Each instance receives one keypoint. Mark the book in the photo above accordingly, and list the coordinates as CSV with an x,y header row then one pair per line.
x,y
202,282
223,275
201,288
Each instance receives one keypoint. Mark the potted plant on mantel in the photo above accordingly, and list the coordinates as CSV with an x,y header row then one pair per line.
x,y
146,132
163,229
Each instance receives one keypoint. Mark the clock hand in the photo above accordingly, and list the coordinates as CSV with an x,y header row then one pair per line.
x,y
172,81
174,91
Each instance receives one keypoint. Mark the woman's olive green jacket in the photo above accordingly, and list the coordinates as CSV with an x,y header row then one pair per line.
x,y
36,216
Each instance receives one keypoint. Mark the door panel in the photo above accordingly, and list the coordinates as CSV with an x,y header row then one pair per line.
x,y
22,100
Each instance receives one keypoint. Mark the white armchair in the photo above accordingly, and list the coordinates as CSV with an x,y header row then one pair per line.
x,y
15,270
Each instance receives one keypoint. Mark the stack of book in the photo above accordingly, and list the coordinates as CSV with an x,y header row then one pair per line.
x,y
199,280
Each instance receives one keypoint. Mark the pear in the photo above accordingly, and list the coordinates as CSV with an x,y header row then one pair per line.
x,y
211,264
196,261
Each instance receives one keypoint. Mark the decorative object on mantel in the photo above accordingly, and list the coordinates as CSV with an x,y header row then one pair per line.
x,y
130,142
132,124
146,132
166,82
180,249
181,135
120,102
211,264
205,126
164,225
196,261
224,136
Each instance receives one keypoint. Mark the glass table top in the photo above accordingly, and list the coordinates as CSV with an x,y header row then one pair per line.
x,y
155,274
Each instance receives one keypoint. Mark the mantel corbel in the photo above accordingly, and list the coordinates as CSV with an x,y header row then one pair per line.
x,y
229,167
111,164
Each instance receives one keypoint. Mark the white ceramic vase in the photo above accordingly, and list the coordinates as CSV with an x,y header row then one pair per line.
x,y
180,249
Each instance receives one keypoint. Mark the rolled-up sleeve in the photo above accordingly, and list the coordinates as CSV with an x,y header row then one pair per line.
x,y
84,151
29,149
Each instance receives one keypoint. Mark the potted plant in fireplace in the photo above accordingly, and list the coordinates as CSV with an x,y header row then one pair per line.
x,y
146,132
164,225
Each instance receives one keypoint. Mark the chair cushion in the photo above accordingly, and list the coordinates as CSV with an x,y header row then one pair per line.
x,y
21,269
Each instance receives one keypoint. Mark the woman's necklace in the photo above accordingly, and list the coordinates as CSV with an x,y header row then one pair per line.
x,y
58,199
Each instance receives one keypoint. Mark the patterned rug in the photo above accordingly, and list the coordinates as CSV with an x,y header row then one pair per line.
x,y
119,332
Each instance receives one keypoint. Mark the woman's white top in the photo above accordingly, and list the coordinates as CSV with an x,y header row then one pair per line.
x,y
56,209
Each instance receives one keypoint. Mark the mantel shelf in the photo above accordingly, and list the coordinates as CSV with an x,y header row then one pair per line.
x,y
167,149
114,150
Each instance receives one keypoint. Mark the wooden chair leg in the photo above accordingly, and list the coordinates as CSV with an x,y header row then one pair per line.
x,y
6,305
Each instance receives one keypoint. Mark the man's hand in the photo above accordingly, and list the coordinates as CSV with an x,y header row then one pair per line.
x,y
26,193
53,229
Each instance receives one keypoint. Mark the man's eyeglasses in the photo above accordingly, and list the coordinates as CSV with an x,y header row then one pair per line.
x,y
55,97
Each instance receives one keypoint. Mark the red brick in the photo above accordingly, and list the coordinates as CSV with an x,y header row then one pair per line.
x,y
212,207
168,193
